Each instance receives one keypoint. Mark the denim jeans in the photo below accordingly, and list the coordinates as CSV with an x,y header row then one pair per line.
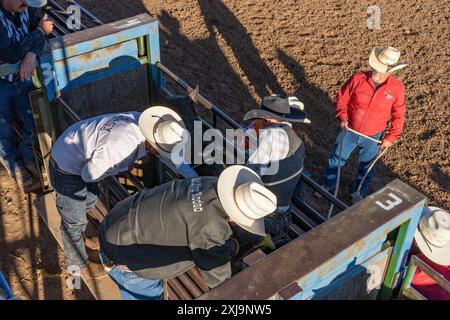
x,y
132,287
74,198
14,103
368,151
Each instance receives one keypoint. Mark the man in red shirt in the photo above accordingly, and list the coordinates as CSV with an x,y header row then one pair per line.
x,y
432,237
366,103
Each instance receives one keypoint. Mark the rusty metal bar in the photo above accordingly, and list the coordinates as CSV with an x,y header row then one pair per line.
x,y
195,275
317,187
311,213
438,278
135,181
171,293
86,13
179,289
413,294
61,10
202,100
190,285
302,222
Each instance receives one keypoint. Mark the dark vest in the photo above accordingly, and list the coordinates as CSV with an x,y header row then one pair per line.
x,y
283,183
162,232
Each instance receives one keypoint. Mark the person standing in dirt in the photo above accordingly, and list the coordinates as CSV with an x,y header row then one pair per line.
x,y
100,147
163,232
366,103
22,38
279,155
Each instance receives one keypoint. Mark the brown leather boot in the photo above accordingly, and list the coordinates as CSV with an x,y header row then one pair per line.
x,y
93,271
92,243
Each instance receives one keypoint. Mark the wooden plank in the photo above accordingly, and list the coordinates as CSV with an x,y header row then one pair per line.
x,y
102,289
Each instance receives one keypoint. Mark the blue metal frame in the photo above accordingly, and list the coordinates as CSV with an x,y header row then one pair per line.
x,y
114,49
5,287
328,256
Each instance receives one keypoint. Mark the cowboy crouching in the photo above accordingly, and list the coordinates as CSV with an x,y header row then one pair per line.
x,y
279,155
163,232
92,150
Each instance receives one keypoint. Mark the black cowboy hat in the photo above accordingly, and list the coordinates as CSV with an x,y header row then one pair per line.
x,y
279,108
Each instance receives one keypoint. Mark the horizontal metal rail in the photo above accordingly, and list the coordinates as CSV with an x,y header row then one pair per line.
x,y
59,10
87,13
323,192
202,100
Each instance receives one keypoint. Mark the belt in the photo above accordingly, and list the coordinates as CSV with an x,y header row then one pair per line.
x,y
57,168
108,264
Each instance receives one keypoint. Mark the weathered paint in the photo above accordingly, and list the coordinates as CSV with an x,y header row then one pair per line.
x,y
323,288
89,63
324,253
85,56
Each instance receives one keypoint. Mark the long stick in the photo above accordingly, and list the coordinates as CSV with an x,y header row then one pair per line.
x,y
365,136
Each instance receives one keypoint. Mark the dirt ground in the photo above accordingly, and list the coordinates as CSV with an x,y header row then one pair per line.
x,y
240,51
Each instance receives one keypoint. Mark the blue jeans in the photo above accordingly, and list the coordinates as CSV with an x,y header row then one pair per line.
x,y
14,103
368,151
132,287
74,198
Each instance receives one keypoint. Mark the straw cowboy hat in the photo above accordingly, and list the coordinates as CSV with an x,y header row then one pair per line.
x,y
279,108
163,128
245,199
386,60
433,235
36,3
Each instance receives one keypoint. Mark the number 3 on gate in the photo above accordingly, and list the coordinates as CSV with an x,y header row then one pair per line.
x,y
390,203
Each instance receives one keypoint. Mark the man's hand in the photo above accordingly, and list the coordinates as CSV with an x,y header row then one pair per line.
x,y
344,125
386,144
45,25
27,66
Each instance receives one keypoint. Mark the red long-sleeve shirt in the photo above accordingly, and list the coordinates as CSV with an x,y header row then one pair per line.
x,y
368,110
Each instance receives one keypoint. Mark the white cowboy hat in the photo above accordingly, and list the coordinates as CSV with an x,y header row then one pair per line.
x,y
245,199
433,235
162,127
36,3
386,60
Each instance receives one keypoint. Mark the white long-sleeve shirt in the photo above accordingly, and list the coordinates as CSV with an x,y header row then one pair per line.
x,y
101,146
272,146
104,146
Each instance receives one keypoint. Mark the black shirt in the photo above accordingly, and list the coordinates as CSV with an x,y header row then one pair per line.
x,y
162,232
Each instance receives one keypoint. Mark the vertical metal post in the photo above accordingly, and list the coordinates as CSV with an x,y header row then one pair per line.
x,y
141,46
404,239
153,57
409,276
214,120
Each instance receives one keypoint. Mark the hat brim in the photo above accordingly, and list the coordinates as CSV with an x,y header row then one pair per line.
x,y
228,181
148,120
36,4
439,255
296,115
381,67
